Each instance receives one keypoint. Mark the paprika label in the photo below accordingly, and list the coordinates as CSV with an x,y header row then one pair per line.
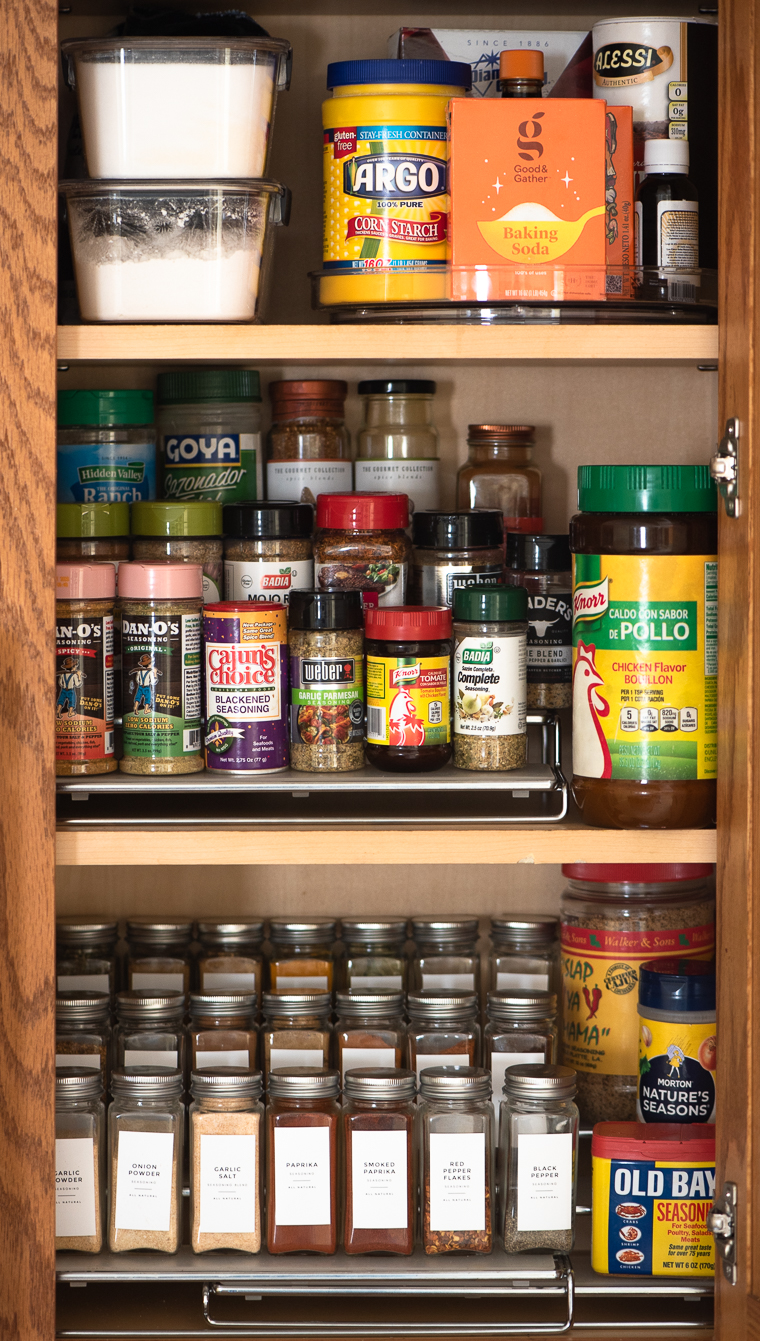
x,y
676,1071
408,701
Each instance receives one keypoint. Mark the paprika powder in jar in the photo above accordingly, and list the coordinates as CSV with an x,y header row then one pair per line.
x,y
645,646
370,1030
379,1170
408,687
302,1160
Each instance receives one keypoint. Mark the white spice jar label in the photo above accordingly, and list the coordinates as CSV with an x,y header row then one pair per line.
x,y
302,1176
149,1057
227,1185
448,982
74,1187
229,982
161,982
458,1181
83,982
229,1057
524,982
377,982
544,1181
352,1058
499,1063
144,1163
270,582
418,479
295,1057
88,1059
490,691
379,1179
288,479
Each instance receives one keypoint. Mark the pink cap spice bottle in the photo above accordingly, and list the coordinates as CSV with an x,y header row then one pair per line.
x,y
84,736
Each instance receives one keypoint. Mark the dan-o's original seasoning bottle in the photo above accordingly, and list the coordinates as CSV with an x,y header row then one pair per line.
x,y
161,608
645,646
326,643
408,660
84,737
246,655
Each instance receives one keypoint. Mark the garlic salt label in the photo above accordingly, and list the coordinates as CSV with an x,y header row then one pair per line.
x,y
457,1181
302,1176
145,1162
227,1184
544,1181
74,1187
379,1179
490,693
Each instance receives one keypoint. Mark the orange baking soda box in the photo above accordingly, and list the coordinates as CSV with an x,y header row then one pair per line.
x,y
528,198
619,201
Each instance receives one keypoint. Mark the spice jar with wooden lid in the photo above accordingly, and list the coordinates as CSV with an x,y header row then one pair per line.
x,y
85,954
296,1029
308,445
79,1160
303,954
303,1116
457,1143
499,474
521,1031
226,1160
150,1030
538,1145
375,958
524,953
379,1160
84,650
444,1029
370,1030
83,1031
230,959
222,1029
446,955
145,1132
159,954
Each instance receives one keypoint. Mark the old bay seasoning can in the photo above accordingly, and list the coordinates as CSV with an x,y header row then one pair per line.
x,y
246,687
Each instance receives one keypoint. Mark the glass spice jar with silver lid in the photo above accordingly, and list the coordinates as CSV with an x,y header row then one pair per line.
x,y
222,1029
369,1030
145,1135
524,953
150,1030
443,1030
85,954
454,550
445,955
521,1031
231,959
83,1031
457,1145
379,1160
538,1145
303,954
303,1117
159,954
296,1029
375,958
226,1160
79,1160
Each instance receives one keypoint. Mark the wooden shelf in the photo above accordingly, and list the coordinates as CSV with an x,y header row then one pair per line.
x,y
323,344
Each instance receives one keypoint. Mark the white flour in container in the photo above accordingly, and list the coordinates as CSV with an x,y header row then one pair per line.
x,y
178,289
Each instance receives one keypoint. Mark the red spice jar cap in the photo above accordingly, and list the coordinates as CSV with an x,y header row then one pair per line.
x,y
690,1143
308,400
363,512
408,623
640,873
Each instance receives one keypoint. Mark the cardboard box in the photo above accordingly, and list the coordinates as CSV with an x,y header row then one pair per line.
x,y
620,200
568,56
528,199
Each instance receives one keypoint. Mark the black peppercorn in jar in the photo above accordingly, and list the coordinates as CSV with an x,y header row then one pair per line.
x,y
408,687
542,565
326,642
267,550
361,545
454,550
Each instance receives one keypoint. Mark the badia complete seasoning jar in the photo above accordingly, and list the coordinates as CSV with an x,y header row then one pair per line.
x,y
645,646
361,544
408,687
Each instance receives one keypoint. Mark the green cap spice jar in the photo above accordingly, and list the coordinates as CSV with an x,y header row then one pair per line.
x,y
490,691
181,533
209,435
92,533
106,446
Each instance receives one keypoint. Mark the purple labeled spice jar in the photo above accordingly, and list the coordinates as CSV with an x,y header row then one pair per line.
x,y
246,687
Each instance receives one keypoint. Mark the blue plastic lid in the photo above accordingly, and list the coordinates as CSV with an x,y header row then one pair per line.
x,y
678,984
453,74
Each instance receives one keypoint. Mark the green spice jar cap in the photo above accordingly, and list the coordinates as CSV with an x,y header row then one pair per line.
x,y
99,409
646,489
207,384
86,521
177,519
485,605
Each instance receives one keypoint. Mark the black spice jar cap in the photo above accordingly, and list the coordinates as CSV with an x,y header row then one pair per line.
x,y
268,520
538,553
325,610
398,387
481,528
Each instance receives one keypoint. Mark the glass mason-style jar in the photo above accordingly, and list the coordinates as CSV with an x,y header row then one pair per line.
x,y
159,954
187,532
446,955
443,1030
83,1031
296,1030
222,1029
308,445
397,447
375,958
538,1143
303,954
79,1160
498,474
542,564
150,1030
457,1145
521,1031
379,1161
145,1135
85,954
230,959
524,953
370,1030
226,1160
303,1117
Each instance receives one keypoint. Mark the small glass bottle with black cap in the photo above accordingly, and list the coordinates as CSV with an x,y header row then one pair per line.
x,y
397,446
326,644
543,565
267,550
453,550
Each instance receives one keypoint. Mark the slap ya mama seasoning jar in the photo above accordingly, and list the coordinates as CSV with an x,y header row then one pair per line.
x,y
84,706
308,445
489,673
645,646
457,1144
453,550
408,687
226,1160
361,545
267,551
79,1160
187,532
246,657
326,644
379,1160
145,1135
303,1116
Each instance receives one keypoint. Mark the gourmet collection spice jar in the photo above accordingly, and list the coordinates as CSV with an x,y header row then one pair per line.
x,y
379,1160
326,643
209,435
445,954
612,918
79,1160
524,953
303,1117
106,447
370,1030
521,1031
296,1029
443,1030
85,950
84,706
408,688
677,1043
489,688
361,544
499,474
83,1031
457,1144
159,954
542,565
308,445
245,648
375,958
267,551
150,1030
453,551
645,644
538,1141
226,1160
230,959
303,954
222,1029
397,447
161,607
92,533
187,532
145,1136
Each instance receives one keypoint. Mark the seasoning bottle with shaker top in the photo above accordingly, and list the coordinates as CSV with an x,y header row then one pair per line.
x,y
308,445
159,954
303,1117
296,1029
453,550
150,1030
267,551
446,954
499,474
209,434
370,1030
443,1029
84,638
303,954
397,446
375,956
538,1141
230,959
92,533
83,1031
186,532
542,564
379,1160
222,1029
326,644
85,950
457,1133
489,678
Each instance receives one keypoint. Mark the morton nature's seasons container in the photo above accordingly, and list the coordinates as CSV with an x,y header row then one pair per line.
x,y
677,1043
84,738
652,1190
246,687
385,172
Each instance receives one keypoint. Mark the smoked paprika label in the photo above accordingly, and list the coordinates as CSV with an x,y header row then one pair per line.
x,y
84,682
408,701
645,665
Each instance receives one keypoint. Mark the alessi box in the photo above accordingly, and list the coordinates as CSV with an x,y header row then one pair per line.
x,y
653,1186
246,650
528,198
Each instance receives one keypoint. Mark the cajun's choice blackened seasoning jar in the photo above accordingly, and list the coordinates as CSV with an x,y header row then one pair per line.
x,y
454,550
408,688
267,551
326,642
361,545
84,736
246,659
645,646
542,565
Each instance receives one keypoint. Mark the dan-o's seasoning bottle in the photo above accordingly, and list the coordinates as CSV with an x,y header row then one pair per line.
x,y
79,1160
308,445
145,1131
303,1116
457,1143
326,642
380,1161
370,1030
542,565
443,1030
361,544
489,678
645,646
538,1143
84,705
226,1161
408,687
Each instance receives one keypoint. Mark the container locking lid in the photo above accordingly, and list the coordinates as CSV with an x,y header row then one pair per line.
x,y
303,1082
408,623
538,553
91,521
270,520
483,605
399,387
82,1007
207,384
175,520
246,931
479,529
378,1003
363,512
646,489
143,1004
85,581
78,1082
448,74
374,930
154,931
295,931
540,1082
433,1005
640,873
313,610
222,1003
98,409
518,63
678,984
226,1082
694,1143
161,581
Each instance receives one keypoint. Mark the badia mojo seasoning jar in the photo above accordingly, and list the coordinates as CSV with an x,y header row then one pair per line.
x,y
408,687
645,646
267,551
